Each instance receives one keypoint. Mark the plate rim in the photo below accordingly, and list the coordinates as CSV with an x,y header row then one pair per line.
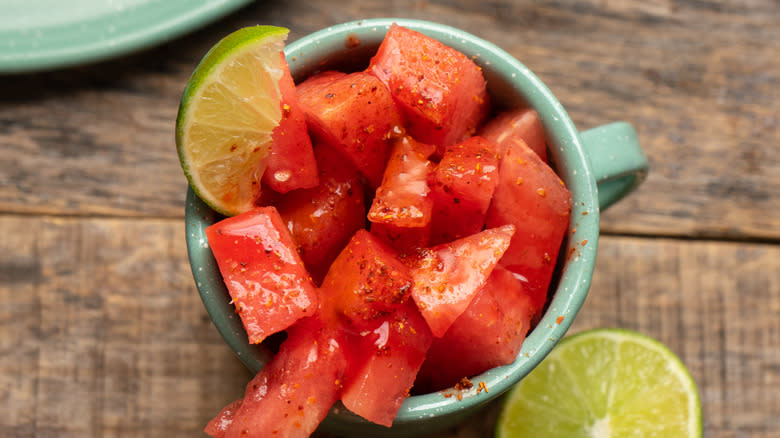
x,y
135,38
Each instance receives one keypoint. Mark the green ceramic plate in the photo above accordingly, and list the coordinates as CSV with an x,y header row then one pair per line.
x,y
46,34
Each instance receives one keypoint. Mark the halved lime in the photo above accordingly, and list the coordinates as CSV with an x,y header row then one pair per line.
x,y
604,383
228,111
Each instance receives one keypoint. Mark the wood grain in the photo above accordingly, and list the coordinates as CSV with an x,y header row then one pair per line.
x,y
102,332
700,80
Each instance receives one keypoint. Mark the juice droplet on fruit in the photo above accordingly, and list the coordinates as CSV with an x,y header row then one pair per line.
x,y
395,133
383,334
520,277
282,175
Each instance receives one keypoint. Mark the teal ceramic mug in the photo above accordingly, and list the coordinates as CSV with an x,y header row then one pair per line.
x,y
599,167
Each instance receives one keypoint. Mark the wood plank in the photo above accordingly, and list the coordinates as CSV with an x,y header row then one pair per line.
x,y
99,139
102,332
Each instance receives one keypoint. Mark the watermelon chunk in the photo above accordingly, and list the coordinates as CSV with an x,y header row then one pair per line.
x,y
533,198
366,282
448,276
461,189
293,393
441,91
401,210
355,114
264,275
386,363
488,334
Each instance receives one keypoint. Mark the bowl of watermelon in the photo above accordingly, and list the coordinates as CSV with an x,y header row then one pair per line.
x,y
415,230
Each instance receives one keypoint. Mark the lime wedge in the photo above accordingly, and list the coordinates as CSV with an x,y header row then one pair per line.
x,y
604,383
227,114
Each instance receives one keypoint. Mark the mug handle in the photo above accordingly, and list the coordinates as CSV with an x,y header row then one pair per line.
x,y
617,161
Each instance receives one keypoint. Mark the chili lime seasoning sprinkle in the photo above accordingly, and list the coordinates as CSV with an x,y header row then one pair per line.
x,y
559,319
464,383
352,41
482,387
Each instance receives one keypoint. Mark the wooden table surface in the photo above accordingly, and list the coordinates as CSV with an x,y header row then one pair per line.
x,y
102,332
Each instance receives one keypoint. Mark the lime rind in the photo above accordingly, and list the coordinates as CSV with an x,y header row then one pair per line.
x,y
604,383
229,108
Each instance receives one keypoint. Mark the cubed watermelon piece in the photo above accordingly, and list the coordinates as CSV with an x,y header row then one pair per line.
x,y
367,281
461,188
401,210
291,164
488,334
262,270
402,198
442,91
533,198
509,126
386,361
354,113
448,276
293,392
322,219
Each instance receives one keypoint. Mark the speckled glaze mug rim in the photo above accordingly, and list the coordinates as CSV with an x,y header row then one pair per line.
x,y
505,76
